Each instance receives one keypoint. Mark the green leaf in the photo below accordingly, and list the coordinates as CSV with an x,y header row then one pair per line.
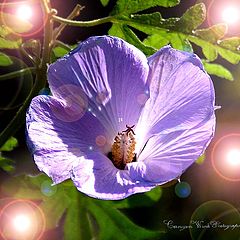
x,y
179,41
104,2
232,43
209,52
124,32
231,56
60,51
150,23
5,60
9,145
121,227
15,23
156,41
181,33
132,6
6,164
192,18
139,200
213,33
218,70
10,44
85,217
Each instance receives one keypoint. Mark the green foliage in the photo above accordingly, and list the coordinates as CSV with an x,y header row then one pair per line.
x,y
126,33
132,6
85,217
8,39
104,2
5,60
9,145
6,164
181,33
60,51
218,70
191,19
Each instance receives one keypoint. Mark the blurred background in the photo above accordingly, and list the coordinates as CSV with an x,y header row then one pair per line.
x,y
209,189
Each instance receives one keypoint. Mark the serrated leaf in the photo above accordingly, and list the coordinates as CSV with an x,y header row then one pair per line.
x,y
192,18
218,70
104,2
124,32
15,23
156,40
209,52
213,33
231,56
9,145
132,6
82,213
153,21
232,43
5,60
180,42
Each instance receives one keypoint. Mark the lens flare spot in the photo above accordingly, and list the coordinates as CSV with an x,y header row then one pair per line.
x,y
182,189
21,223
24,12
233,157
101,140
47,189
225,157
231,15
215,219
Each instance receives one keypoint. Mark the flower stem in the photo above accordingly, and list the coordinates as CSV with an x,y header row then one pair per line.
x,y
84,23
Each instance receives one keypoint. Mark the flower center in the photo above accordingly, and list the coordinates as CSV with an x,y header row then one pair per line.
x,y
123,148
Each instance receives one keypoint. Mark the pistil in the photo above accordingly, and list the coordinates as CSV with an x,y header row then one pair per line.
x,y
123,148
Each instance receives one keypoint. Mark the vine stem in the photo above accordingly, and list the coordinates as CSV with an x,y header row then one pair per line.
x,y
40,81
85,23
76,11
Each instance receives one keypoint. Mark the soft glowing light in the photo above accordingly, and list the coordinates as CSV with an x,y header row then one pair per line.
x,y
233,157
24,12
231,15
21,223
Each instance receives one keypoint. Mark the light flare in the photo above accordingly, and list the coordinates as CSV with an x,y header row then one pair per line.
x,y
231,15
233,157
22,223
24,12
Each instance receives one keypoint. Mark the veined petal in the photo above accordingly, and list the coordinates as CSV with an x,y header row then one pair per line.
x,y
178,121
95,175
57,143
112,74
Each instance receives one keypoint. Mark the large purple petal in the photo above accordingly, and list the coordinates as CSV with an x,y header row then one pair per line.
x,y
178,119
112,74
96,176
56,142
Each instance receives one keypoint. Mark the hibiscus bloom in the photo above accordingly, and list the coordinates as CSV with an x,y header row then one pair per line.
x,y
119,123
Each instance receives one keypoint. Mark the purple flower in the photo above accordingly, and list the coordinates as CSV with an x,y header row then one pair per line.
x,y
119,123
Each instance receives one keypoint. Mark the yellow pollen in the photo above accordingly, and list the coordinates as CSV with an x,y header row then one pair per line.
x,y
123,148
